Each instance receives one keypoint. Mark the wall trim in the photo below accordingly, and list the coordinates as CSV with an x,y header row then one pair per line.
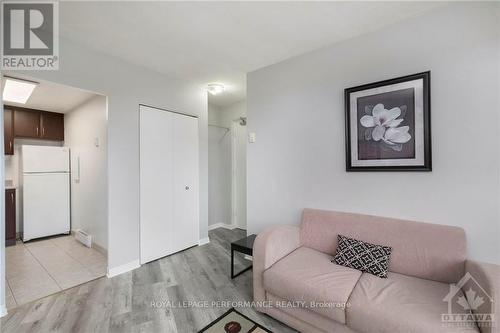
x,y
203,241
100,249
222,225
114,271
3,311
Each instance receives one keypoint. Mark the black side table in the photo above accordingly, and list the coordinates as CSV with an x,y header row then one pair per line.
x,y
245,246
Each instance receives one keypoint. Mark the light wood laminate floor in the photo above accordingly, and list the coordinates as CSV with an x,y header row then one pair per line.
x,y
132,302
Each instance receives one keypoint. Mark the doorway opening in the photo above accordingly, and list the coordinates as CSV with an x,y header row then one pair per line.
x,y
239,173
55,173
227,138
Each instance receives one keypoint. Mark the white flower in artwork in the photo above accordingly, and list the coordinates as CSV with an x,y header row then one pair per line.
x,y
384,124
397,135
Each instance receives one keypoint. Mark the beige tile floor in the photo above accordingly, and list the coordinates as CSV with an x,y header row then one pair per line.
x,y
40,268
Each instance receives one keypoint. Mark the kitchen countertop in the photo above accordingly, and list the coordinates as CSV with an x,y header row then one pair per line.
x,y
11,187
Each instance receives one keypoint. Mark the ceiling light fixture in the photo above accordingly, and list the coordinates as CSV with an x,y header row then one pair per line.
x,y
215,88
17,91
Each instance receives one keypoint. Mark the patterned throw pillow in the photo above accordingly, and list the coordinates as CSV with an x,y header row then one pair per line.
x,y
366,257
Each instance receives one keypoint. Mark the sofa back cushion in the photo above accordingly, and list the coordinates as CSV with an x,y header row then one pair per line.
x,y
429,251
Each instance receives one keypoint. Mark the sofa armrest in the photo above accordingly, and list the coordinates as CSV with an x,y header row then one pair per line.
x,y
488,277
270,246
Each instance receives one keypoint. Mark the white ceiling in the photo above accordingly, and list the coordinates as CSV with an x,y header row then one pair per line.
x,y
222,41
53,97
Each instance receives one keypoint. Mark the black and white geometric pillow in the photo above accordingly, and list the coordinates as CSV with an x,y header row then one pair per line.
x,y
366,257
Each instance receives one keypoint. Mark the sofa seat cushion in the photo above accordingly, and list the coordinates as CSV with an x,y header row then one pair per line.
x,y
306,275
400,303
320,322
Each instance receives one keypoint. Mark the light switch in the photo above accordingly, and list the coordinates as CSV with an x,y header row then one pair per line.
x,y
96,142
76,173
251,137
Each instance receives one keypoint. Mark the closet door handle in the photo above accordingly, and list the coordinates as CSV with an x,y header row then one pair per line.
x,y
12,197
10,144
43,131
37,129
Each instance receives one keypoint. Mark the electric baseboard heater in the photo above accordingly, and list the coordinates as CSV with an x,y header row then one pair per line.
x,y
83,238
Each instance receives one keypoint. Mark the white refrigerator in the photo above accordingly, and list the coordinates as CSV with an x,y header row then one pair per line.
x,y
45,191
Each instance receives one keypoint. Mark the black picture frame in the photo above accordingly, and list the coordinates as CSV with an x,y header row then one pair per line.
x,y
391,164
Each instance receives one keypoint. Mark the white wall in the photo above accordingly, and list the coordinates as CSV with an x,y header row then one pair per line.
x,y
126,86
213,113
296,109
229,113
89,187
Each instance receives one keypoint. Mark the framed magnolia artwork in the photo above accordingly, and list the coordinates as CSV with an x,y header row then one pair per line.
x,y
388,125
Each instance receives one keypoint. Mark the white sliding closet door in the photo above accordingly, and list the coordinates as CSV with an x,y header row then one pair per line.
x,y
169,182
157,181
186,182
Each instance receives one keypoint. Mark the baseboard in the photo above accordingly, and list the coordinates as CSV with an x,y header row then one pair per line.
x,y
3,310
123,268
100,249
222,225
203,241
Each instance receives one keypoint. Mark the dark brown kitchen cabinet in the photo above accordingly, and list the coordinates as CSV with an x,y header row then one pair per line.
x,y
26,123
8,130
10,217
32,124
52,126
